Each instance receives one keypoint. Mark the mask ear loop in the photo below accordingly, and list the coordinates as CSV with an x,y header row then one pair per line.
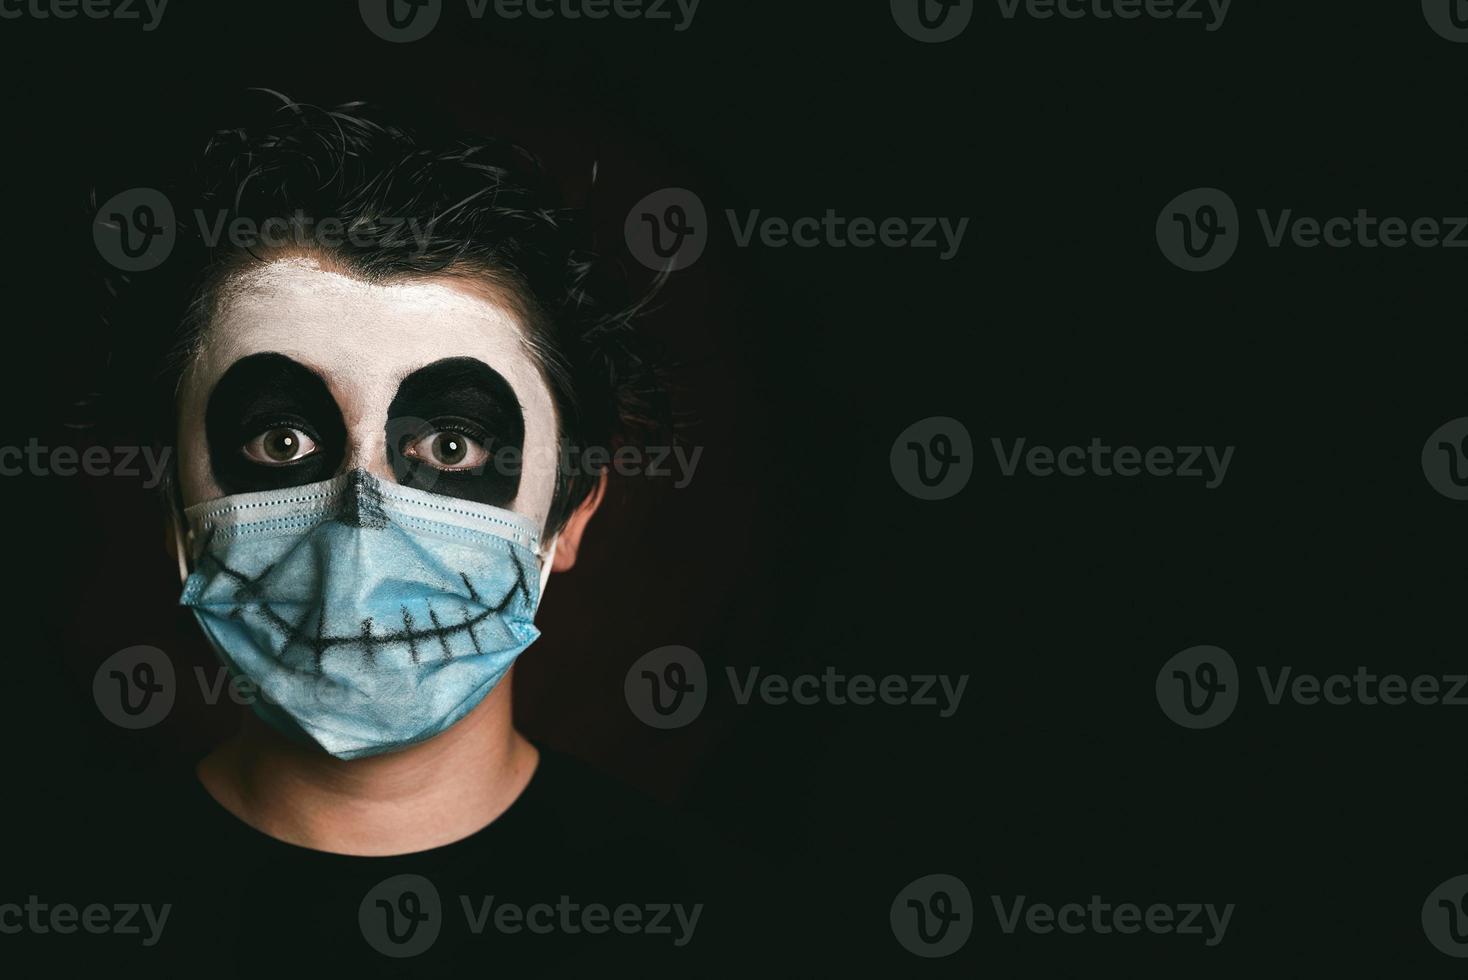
x,y
181,539
180,551
546,561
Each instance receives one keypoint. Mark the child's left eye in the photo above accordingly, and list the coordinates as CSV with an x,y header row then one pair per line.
x,y
280,446
449,450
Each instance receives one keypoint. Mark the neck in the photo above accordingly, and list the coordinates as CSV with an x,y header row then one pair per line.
x,y
424,796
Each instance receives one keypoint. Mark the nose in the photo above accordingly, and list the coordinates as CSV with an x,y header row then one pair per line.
x,y
362,502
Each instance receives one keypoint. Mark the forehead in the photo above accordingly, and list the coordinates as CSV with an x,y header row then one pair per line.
x,y
346,328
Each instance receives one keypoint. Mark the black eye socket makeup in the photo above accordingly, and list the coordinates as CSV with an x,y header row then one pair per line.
x,y
271,423
455,427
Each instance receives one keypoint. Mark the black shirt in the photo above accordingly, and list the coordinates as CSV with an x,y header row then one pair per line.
x,y
579,876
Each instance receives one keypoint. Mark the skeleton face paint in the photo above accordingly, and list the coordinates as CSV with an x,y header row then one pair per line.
x,y
455,427
361,548
271,423
305,374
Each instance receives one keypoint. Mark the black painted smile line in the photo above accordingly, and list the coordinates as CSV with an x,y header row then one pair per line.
x,y
319,643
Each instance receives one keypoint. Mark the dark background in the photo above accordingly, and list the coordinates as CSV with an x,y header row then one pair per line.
x,y
795,548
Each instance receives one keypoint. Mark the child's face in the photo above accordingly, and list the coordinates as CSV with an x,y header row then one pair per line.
x,y
306,373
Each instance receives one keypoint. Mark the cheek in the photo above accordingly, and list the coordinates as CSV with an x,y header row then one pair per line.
x,y
539,468
195,477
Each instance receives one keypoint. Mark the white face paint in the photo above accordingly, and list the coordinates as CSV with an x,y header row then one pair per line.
x,y
363,340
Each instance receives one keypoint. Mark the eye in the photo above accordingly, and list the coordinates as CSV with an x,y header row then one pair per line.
x,y
449,449
280,446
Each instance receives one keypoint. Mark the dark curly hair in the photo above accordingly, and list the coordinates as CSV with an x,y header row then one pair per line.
x,y
406,204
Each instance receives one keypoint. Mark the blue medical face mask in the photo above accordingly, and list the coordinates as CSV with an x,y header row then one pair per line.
x,y
370,615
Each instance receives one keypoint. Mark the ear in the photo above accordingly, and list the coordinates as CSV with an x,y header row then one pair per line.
x,y
568,542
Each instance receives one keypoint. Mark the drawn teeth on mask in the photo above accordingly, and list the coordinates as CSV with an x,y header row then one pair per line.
x,y
250,589
443,637
469,625
369,655
318,649
519,584
408,635
297,634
